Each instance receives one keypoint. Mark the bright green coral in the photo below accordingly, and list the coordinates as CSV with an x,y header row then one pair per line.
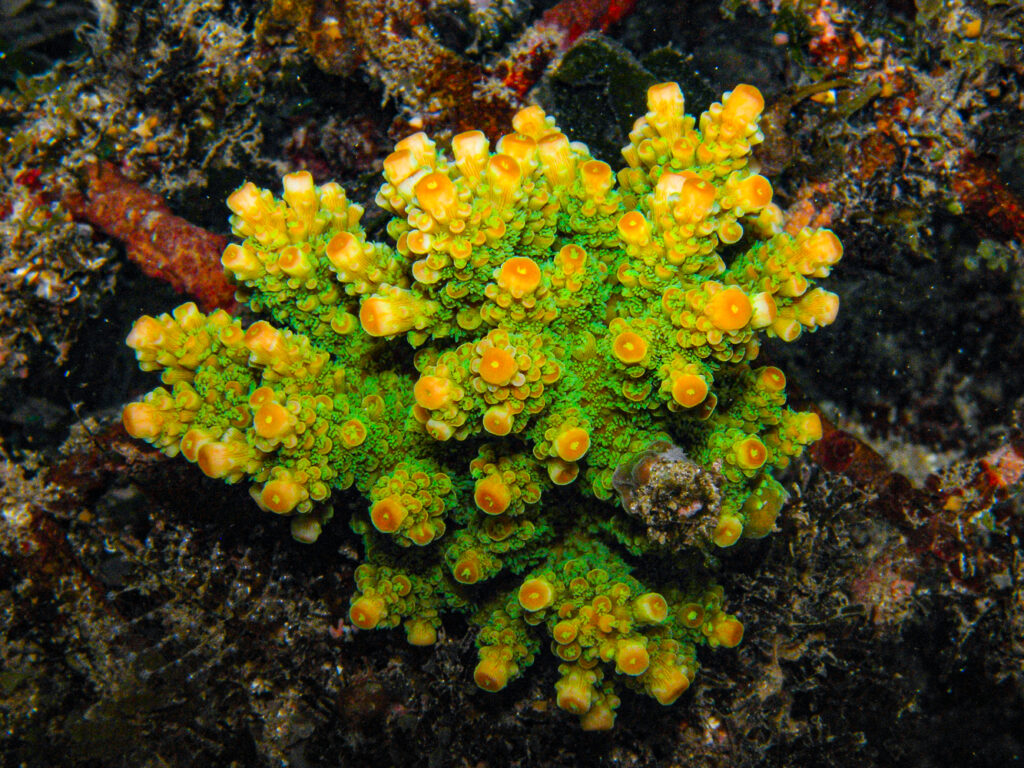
x,y
563,326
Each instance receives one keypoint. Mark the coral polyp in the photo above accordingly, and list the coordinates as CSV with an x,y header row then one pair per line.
x,y
542,386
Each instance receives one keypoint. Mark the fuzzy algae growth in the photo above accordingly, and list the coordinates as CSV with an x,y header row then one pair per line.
x,y
572,402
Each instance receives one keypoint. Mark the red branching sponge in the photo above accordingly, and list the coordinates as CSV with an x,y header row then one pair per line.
x,y
165,246
986,198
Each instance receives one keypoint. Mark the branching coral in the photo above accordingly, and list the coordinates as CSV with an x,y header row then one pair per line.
x,y
569,333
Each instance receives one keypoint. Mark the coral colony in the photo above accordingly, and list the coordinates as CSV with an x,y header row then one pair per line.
x,y
544,387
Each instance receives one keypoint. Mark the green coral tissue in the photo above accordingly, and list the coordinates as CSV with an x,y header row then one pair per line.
x,y
542,386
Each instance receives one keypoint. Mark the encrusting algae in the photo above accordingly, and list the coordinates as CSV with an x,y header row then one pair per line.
x,y
564,325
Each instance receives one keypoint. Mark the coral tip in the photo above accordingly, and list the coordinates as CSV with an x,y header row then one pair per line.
x,y
491,674
668,685
497,366
727,631
366,612
634,229
467,569
743,104
629,347
750,453
771,378
388,514
492,495
436,194
519,276
631,657
381,317
142,421
689,389
498,420
729,309
432,392
272,420
572,444
280,496
536,594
